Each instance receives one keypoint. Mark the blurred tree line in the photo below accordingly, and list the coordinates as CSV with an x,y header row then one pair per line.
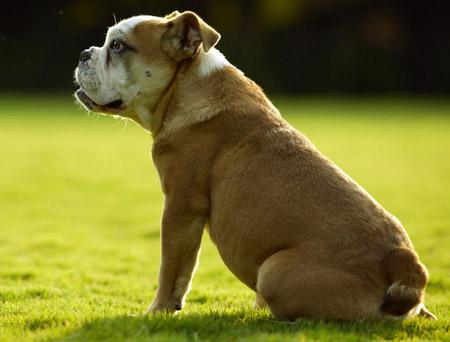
x,y
339,46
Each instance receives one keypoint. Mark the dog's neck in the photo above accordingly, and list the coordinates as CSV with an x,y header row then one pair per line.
x,y
202,88
187,78
159,113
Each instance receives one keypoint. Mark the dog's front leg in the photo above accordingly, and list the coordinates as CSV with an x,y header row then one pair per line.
x,y
180,244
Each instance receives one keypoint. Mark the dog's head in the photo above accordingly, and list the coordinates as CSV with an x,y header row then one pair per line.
x,y
138,61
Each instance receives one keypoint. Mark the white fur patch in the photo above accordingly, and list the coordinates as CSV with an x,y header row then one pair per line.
x,y
126,25
415,311
211,61
397,290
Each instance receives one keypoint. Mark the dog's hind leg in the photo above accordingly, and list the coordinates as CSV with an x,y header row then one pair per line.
x,y
293,289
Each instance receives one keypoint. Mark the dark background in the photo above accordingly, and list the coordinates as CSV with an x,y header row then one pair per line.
x,y
291,46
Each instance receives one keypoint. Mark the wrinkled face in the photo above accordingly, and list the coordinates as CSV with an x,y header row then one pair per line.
x,y
129,74
130,71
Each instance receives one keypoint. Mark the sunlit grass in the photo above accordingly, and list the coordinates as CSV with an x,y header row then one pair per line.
x,y
80,208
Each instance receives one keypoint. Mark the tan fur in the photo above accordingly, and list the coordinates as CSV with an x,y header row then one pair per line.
x,y
286,221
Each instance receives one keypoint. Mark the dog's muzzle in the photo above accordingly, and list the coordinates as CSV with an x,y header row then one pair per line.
x,y
114,106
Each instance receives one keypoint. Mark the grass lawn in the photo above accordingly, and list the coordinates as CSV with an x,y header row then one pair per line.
x,y
80,208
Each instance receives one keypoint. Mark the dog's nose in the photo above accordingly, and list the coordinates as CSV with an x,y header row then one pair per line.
x,y
85,55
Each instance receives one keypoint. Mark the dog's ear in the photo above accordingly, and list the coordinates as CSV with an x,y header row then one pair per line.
x,y
172,15
186,31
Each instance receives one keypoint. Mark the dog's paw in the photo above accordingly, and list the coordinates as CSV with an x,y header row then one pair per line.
x,y
167,308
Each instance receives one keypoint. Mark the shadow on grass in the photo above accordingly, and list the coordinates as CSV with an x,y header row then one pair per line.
x,y
221,326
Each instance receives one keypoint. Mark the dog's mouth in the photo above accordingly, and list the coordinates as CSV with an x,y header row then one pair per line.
x,y
111,107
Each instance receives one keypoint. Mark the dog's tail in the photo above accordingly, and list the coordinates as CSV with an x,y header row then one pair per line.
x,y
408,278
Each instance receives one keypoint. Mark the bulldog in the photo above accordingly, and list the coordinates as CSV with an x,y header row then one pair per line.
x,y
285,219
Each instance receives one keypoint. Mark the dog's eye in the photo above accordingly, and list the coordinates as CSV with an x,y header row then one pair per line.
x,y
116,45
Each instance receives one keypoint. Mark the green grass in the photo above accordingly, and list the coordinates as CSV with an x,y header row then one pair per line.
x,y
80,208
